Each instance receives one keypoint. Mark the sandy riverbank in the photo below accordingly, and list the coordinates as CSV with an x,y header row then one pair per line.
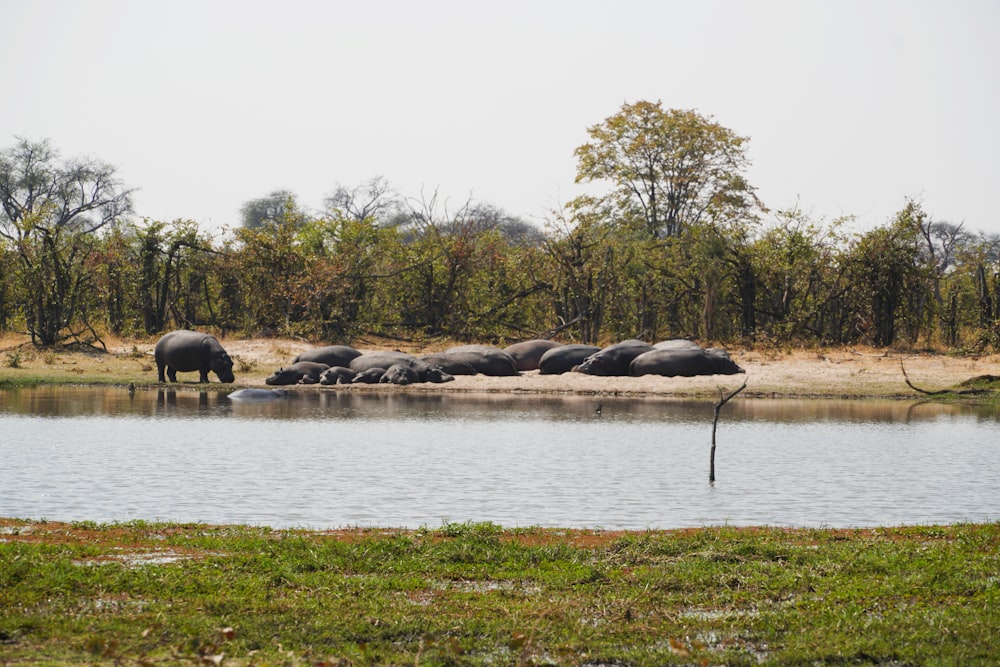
x,y
844,372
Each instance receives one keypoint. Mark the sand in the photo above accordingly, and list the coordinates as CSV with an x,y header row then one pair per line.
x,y
847,373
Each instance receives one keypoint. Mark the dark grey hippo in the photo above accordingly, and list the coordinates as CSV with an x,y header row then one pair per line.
x,y
380,359
451,364
301,372
425,372
255,394
613,359
400,374
562,359
336,375
371,375
677,344
331,355
527,353
486,359
185,351
686,363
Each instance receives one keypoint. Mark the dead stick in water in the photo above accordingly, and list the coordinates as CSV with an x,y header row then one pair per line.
x,y
938,392
715,422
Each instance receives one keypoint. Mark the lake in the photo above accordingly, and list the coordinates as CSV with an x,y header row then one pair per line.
x,y
326,459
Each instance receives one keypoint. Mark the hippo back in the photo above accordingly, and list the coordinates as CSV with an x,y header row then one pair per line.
x,y
528,353
684,363
331,355
485,359
381,359
613,360
562,359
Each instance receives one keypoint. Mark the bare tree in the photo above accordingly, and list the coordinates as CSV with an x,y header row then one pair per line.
x,y
373,199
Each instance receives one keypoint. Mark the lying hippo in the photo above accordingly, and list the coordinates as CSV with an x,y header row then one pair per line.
x,y
337,375
562,359
381,359
449,363
254,394
528,353
486,359
613,359
684,362
185,351
677,344
401,374
425,372
331,355
371,375
301,372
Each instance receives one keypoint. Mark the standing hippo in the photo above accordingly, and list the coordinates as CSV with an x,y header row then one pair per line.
x,y
185,351
486,359
562,359
613,359
301,372
686,363
527,353
331,355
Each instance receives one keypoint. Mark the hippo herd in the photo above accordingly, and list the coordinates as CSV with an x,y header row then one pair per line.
x,y
342,364
188,351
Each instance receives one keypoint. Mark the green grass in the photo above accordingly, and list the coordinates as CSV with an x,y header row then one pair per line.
x,y
476,594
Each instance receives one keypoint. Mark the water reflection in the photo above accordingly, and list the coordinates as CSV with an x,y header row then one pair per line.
x,y
333,458
313,403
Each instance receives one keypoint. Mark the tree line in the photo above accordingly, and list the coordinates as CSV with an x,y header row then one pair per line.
x,y
676,244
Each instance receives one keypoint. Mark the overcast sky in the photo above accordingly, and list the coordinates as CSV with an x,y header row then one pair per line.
x,y
851,106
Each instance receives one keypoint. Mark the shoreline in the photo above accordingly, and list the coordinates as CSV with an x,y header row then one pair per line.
x,y
842,373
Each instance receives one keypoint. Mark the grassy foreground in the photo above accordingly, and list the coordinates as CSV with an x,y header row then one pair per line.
x,y
477,594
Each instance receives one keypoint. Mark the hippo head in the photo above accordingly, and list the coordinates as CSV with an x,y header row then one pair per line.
x,y
592,365
222,365
283,376
437,375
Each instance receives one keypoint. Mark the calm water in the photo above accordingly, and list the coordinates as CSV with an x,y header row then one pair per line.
x,y
357,459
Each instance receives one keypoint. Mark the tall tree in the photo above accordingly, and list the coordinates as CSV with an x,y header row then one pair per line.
x,y
277,208
51,212
668,166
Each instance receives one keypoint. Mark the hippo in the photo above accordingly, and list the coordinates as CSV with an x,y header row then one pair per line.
x,y
331,355
400,374
528,352
562,359
677,344
687,363
449,363
336,375
425,372
371,375
613,359
486,359
184,351
254,394
381,359
301,372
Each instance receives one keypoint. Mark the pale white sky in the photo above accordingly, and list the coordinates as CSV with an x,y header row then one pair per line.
x,y
850,105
